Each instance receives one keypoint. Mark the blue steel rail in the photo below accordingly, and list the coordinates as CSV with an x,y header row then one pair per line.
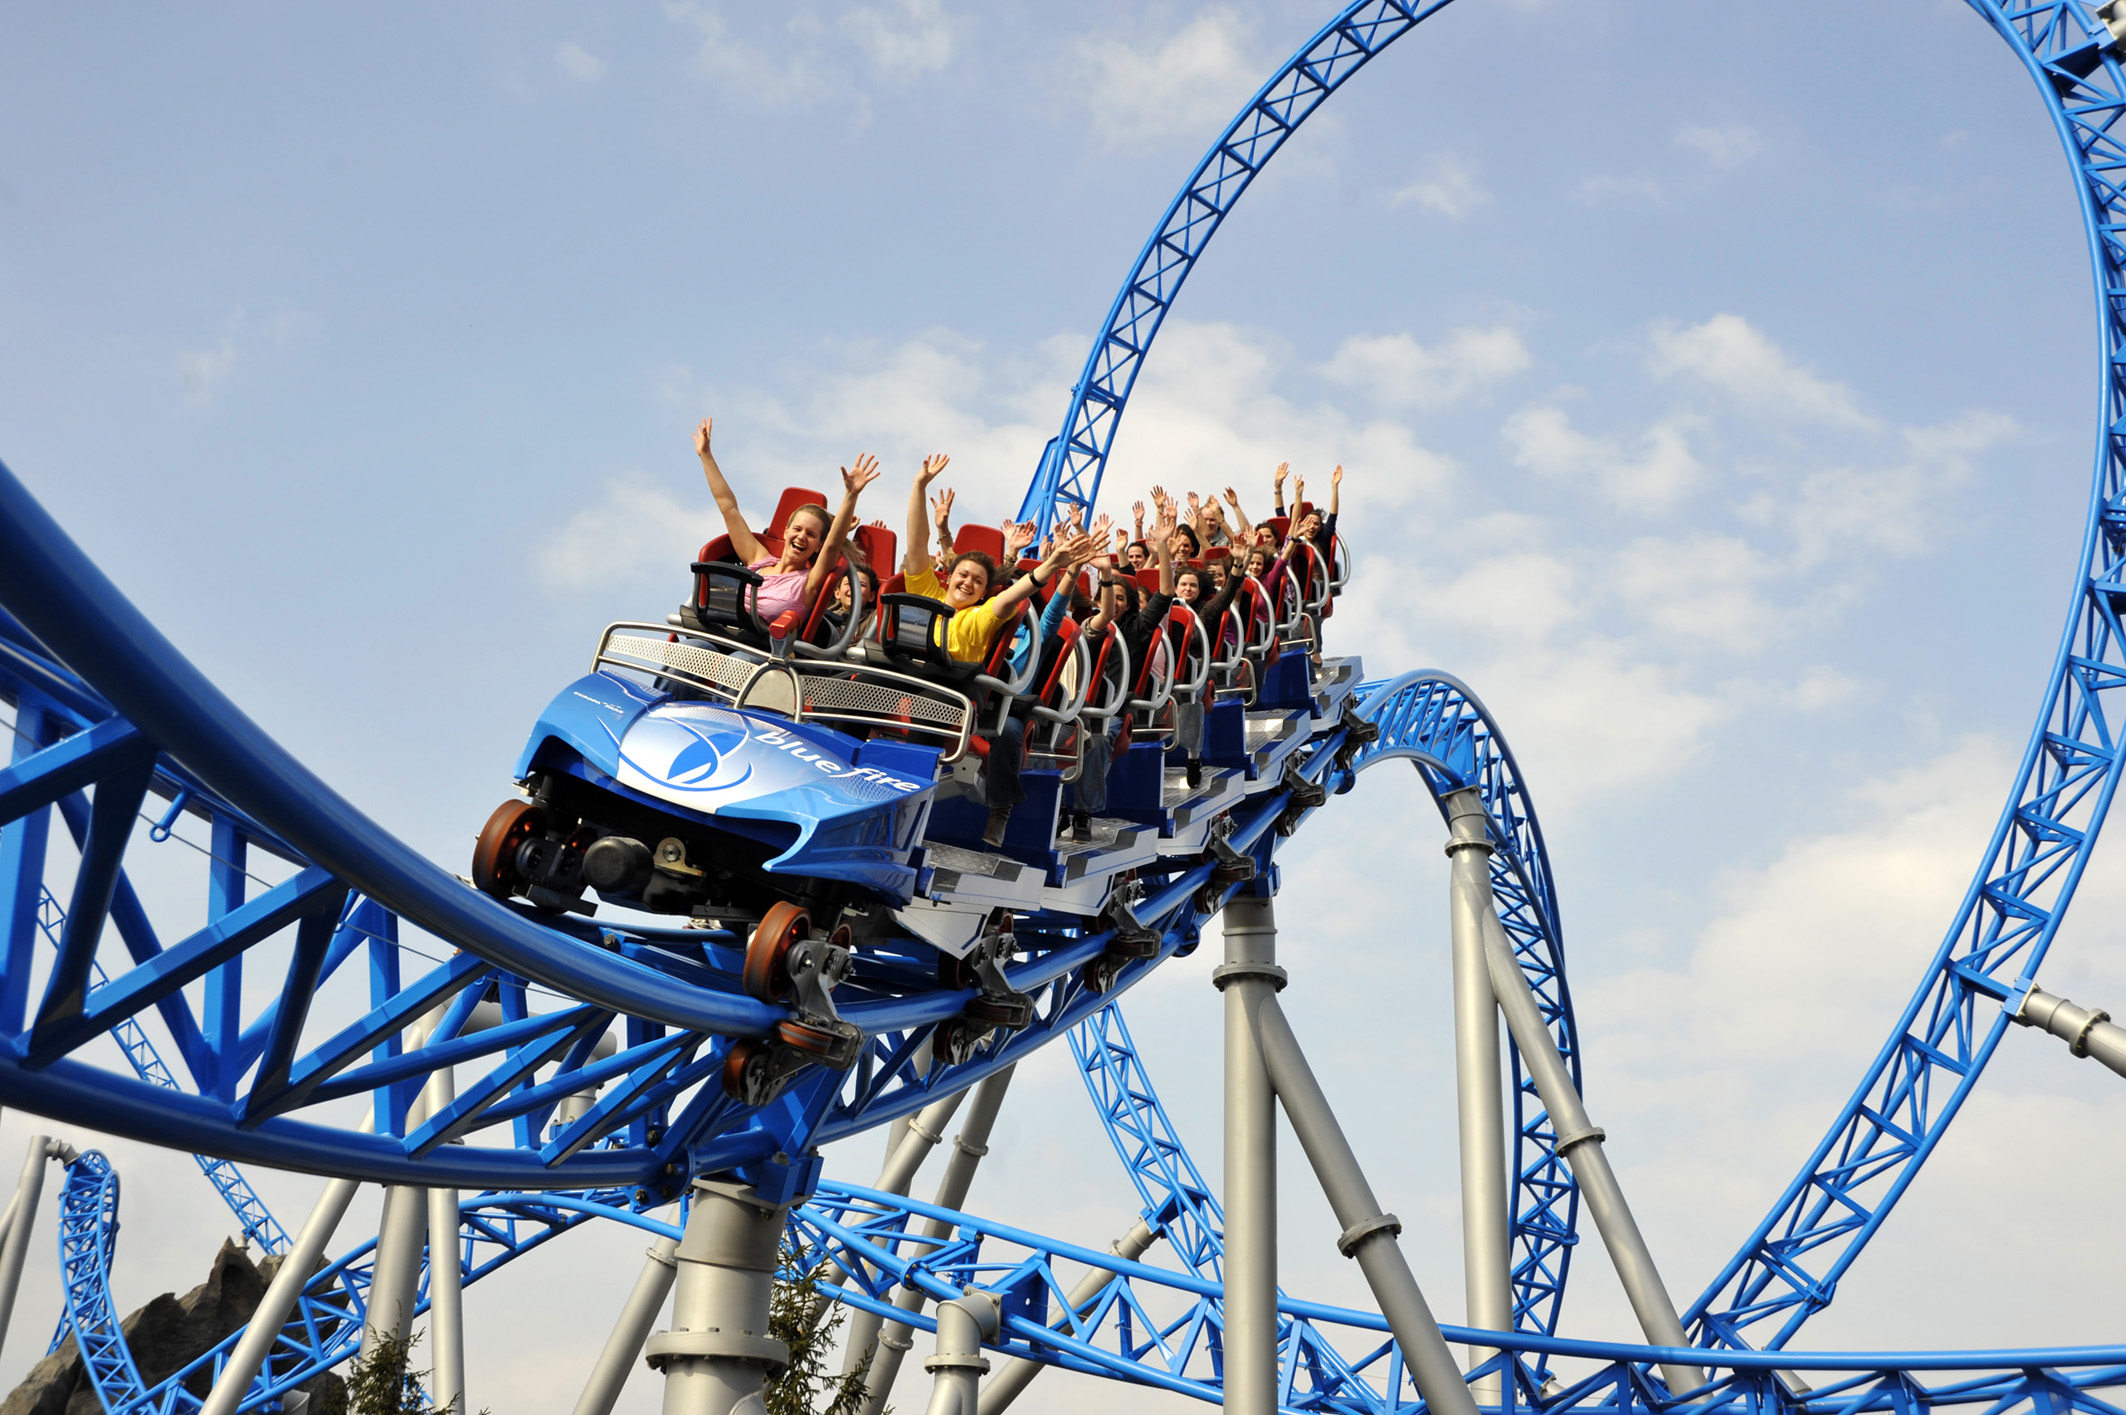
x,y
1071,467
1789,1268
326,1327
252,1216
1156,1327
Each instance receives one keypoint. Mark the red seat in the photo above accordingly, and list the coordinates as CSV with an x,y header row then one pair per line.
x,y
987,539
792,498
880,548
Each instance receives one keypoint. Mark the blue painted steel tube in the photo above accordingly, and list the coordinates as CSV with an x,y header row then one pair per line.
x,y
70,605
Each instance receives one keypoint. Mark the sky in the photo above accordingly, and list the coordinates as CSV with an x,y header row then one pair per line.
x,y
1714,386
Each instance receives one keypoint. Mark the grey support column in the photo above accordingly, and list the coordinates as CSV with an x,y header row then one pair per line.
x,y
446,1297
1487,1256
28,1189
963,1325
1369,1234
2087,1031
919,1136
274,1309
1249,976
968,1147
617,1360
395,1275
716,1357
1580,1142
1018,1373
402,1233
446,1304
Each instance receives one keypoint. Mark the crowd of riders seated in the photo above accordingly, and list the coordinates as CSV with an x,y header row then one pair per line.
x,y
1202,580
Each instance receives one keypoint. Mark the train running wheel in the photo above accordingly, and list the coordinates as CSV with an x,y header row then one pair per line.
x,y
745,1071
494,856
766,974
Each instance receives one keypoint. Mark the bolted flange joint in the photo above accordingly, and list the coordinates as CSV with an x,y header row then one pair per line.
x,y
1365,1230
1226,973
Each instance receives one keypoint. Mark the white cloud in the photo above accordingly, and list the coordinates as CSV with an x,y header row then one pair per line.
x,y
1397,371
1703,587
1733,356
788,74
1900,507
1659,472
905,38
1143,89
1448,187
1725,146
632,524
579,63
1807,955
201,372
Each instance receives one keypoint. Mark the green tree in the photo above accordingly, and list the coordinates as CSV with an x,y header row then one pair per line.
x,y
794,1319
380,1384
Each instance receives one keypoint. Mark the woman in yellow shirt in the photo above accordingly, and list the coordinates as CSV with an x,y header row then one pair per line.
x,y
972,630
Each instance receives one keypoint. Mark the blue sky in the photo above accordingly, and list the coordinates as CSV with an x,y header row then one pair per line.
x,y
1715,385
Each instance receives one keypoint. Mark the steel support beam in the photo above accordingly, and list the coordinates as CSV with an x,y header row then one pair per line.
x,y
920,1134
1487,1240
1368,1234
617,1360
23,1218
1249,976
956,1370
716,1357
1010,1382
2087,1031
446,1298
968,1147
1580,1141
278,1304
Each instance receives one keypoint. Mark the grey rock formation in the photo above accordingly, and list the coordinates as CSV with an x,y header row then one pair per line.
x,y
164,1336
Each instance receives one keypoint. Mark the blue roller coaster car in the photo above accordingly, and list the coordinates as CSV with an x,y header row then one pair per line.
x,y
692,773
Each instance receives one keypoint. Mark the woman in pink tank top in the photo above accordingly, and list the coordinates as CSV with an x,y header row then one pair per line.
x,y
811,540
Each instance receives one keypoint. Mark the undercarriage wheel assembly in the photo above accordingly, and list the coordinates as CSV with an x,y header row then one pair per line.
x,y
494,856
745,1071
767,975
820,1042
955,973
1101,972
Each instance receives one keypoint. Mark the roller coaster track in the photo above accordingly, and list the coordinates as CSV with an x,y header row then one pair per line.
x,y
107,713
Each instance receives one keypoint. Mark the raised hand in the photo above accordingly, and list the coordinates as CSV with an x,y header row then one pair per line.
x,y
701,437
940,504
1232,498
1284,469
1018,536
1299,491
1136,510
1121,541
1336,478
1195,508
1164,530
933,466
854,482
1100,527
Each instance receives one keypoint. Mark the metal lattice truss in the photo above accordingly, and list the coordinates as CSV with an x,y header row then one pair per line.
x,y
1070,470
1790,1267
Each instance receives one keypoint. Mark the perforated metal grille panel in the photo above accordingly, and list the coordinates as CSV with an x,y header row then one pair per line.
x,y
724,670
886,701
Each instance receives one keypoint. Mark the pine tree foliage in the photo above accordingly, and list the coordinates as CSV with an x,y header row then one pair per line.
x,y
791,1320
380,1384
